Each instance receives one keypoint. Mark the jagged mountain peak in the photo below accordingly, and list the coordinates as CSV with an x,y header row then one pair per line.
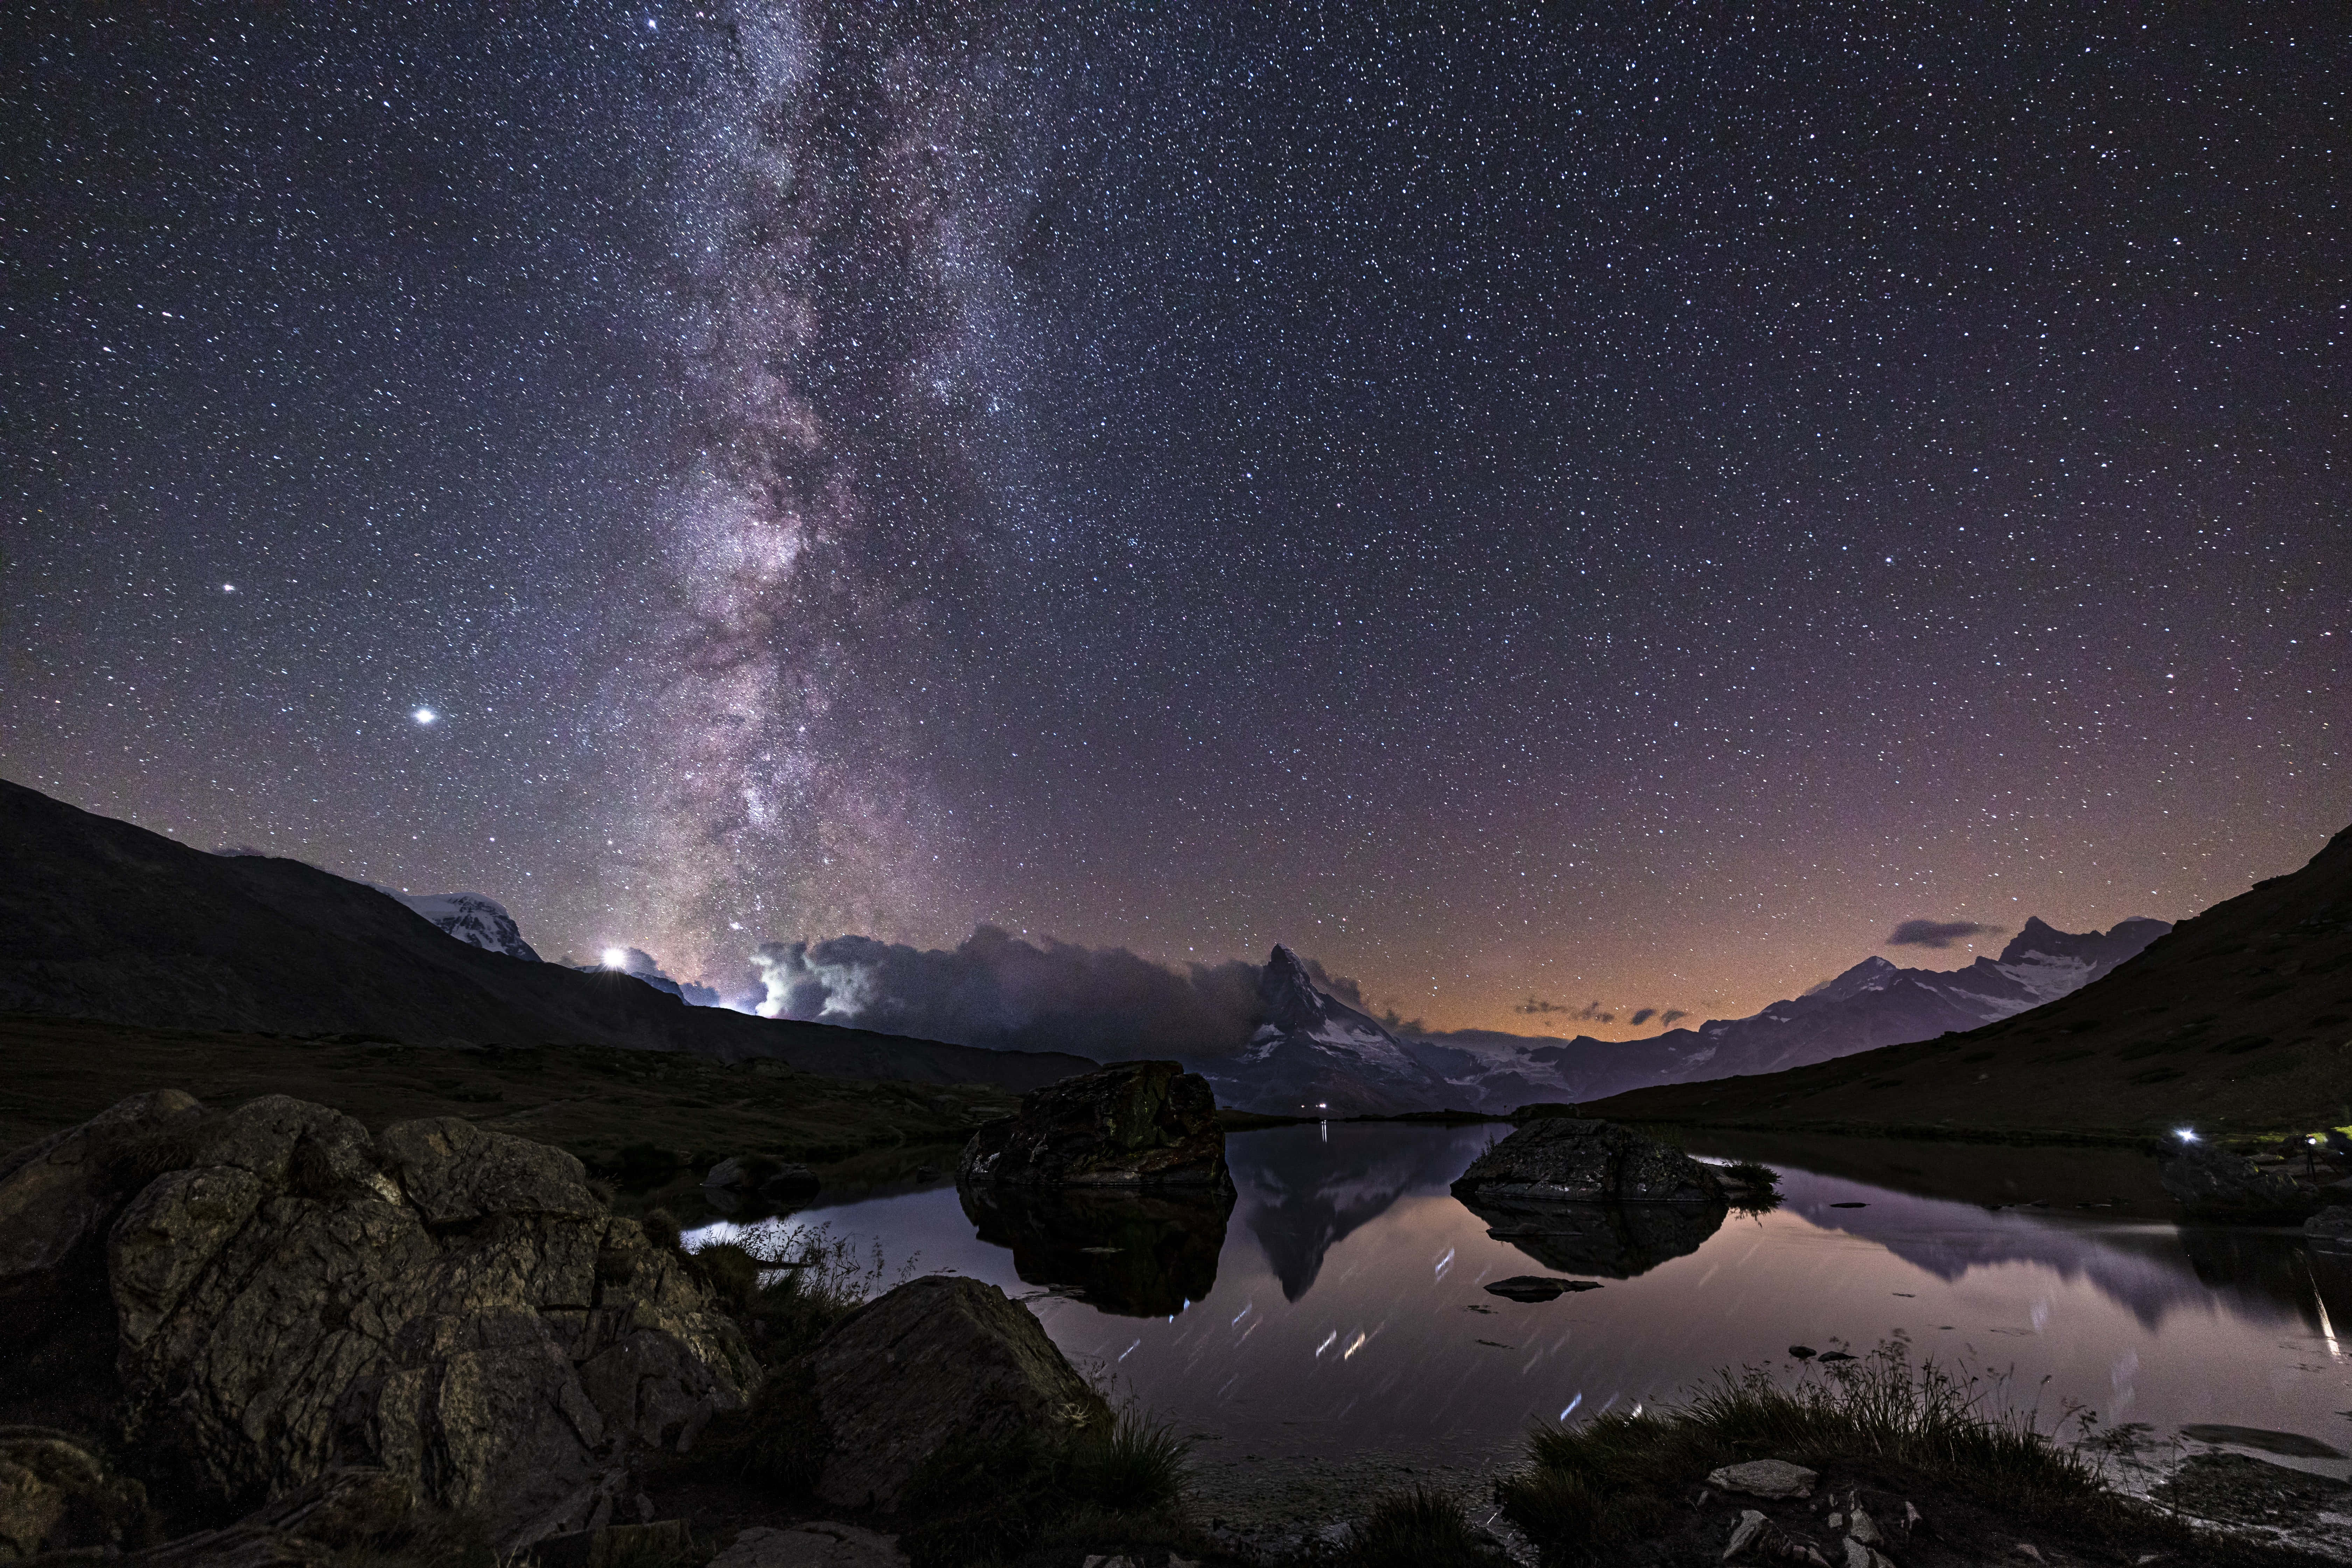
x,y
1870,974
1288,997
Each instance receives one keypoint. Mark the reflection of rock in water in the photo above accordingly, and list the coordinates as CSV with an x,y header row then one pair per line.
x,y
1617,1240
2274,1268
2331,1281
1142,1255
1308,1187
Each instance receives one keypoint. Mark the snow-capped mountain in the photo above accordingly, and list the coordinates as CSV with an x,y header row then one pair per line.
x,y
1314,1053
470,917
1873,1004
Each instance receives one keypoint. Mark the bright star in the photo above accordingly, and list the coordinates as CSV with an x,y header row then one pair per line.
x,y
615,958
425,715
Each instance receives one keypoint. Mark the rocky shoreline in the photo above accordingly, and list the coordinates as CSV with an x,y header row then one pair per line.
x,y
265,1336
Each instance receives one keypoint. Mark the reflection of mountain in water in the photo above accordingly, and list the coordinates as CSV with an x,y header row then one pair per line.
x,y
1614,1240
1141,1255
1304,1193
2151,1270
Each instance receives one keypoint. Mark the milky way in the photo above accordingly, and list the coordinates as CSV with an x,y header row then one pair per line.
x,y
1599,508
843,234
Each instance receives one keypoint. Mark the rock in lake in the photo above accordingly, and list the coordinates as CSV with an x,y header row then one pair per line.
x,y
1138,1124
938,1359
1537,1287
448,1308
1571,1159
2333,1222
2210,1181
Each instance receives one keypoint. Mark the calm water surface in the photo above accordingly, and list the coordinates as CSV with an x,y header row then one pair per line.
x,y
1339,1306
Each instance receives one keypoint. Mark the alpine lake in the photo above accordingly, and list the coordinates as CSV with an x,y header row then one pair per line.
x,y
1331,1336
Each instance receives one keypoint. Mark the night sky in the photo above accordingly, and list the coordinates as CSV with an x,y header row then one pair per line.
x,y
1583,504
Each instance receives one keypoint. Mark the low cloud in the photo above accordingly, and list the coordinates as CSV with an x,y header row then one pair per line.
x,y
1591,1013
1939,934
998,990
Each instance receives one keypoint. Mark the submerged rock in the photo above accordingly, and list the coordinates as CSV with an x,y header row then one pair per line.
x,y
1132,1124
449,1306
1571,1159
2211,1182
938,1360
2333,1222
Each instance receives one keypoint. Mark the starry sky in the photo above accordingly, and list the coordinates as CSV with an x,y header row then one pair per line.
x,y
1555,507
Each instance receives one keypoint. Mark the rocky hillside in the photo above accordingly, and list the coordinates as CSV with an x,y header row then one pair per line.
x,y
104,920
2240,1020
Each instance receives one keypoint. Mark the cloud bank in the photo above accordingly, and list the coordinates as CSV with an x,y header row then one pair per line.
x,y
1937,934
1000,990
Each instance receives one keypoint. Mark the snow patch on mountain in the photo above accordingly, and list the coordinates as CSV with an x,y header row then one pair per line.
x,y
1312,1053
470,917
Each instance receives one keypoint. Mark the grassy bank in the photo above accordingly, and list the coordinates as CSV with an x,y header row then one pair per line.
x,y
1944,1471
647,1118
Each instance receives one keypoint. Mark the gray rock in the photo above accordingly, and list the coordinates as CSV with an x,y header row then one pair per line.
x,y
820,1544
2333,1222
2208,1180
1569,1159
447,1307
935,1359
453,1170
60,1193
56,1495
1765,1479
1131,1124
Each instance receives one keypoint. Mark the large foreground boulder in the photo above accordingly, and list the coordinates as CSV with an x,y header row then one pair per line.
x,y
1138,1124
937,1360
1571,1159
453,1306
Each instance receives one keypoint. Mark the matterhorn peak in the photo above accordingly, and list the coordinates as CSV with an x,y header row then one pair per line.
x,y
1288,997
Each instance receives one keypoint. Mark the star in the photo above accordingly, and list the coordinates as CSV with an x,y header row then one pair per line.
x,y
424,715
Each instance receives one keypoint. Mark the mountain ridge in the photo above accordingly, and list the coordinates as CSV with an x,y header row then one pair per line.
x,y
101,919
2238,1018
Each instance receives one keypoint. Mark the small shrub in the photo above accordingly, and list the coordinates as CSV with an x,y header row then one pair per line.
x,y
1416,1529
1138,1464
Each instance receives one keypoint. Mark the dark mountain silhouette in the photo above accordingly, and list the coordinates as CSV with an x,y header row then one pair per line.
x,y
102,919
2239,1019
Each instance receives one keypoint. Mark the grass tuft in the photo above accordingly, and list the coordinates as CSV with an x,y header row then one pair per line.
x,y
1417,1529
1592,1490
